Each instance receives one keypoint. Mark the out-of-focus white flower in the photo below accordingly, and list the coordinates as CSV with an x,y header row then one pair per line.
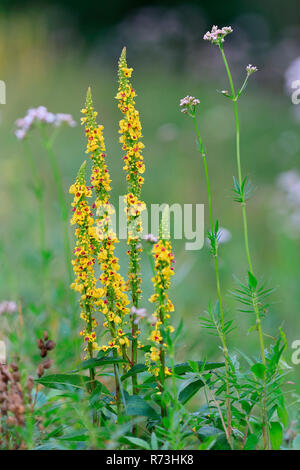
x,y
224,236
8,306
41,115
217,35
292,74
140,313
289,182
150,238
286,202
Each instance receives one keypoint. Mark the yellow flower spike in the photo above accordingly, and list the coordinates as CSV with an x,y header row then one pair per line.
x,y
112,298
83,264
130,134
163,266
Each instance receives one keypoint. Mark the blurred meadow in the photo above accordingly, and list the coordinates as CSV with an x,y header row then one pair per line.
x,y
46,63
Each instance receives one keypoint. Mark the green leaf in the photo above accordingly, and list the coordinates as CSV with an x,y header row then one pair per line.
x,y
258,370
179,369
183,368
154,443
189,390
275,435
137,406
66,382
283,415
137,369
251,442
208,432
252,281
76,436
138,442
98,362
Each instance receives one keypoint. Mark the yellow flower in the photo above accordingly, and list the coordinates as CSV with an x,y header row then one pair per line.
x,y
112,299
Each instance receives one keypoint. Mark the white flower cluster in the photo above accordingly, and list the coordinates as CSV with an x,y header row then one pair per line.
x,y
251,69
8,306
141,314
188,104
150,238
38,115
217,35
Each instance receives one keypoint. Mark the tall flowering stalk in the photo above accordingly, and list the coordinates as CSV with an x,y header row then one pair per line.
x,y
163,261
241,188
130,130
41,118
188,106
83,264
114,300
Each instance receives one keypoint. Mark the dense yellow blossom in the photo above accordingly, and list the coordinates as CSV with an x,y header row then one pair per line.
x,y
83,264
114,300
130,135
164,270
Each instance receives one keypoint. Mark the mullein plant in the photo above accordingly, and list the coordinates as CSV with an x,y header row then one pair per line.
x,y
216,320
96,241
83,263
163,270
130,130
251,294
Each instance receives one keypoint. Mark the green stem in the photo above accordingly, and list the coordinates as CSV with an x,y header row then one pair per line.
x,y
223,335
135,300
39,194
61,199
117,384
246,239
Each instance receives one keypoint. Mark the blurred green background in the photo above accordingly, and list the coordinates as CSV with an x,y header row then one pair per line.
x,y
51,52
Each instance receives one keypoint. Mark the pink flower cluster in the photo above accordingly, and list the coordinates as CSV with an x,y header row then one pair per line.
x,y
38,115
188,104
217,35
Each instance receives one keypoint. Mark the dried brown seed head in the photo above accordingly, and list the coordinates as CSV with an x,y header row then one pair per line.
x,y
50,345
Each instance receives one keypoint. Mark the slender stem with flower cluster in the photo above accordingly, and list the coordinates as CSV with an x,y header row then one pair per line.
x,y
38,188
216,36
40,117
215,255
188,105
61,199
246,240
